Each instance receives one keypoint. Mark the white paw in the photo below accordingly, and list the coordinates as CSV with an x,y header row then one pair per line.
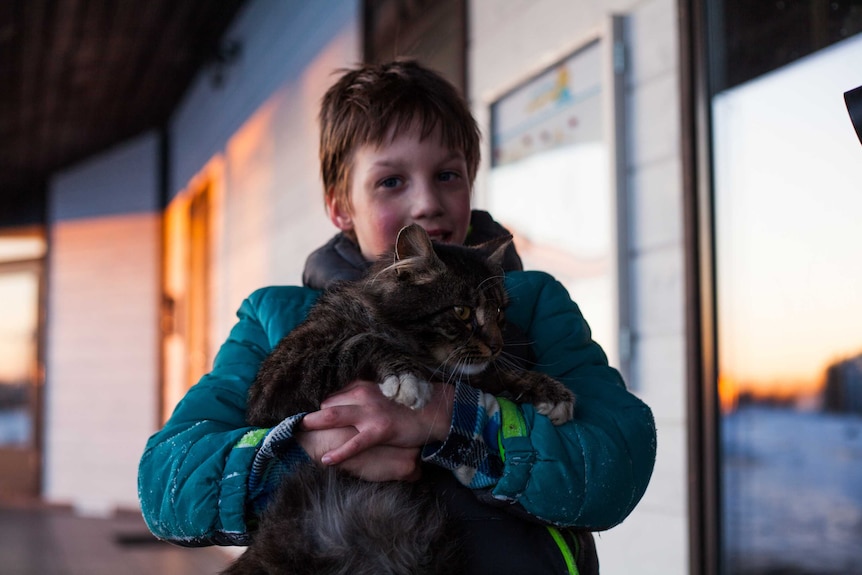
x,y
406,389
558,413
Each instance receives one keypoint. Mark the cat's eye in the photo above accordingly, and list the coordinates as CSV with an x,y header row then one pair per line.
x,y
462,312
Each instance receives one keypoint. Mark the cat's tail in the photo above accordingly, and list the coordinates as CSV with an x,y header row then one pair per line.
x,y
325,521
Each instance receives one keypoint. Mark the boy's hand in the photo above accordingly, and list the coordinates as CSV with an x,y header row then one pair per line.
x,y
379,463
378,422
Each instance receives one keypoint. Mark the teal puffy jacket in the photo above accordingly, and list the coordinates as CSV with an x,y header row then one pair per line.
x,y
588,473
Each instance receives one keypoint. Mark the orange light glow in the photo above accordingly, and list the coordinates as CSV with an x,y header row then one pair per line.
x,y
728,393
19,292
799,392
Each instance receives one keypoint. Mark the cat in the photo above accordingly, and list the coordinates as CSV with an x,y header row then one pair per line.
x,y
427,312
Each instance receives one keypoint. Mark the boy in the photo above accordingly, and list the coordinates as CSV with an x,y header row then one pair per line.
x,y
399,146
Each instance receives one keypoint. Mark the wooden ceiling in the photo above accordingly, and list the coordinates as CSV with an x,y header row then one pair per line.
x,y
79,76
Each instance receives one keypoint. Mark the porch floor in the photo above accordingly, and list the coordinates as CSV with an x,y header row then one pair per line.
x,y
48,541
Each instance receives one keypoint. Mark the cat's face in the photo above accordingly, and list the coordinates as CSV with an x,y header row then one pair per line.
x,y
448,300
467,336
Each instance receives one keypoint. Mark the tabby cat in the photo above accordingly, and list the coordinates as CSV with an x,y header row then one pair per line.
x,y
428,312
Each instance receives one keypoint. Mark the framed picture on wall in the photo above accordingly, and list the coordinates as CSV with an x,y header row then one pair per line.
x,y
555,157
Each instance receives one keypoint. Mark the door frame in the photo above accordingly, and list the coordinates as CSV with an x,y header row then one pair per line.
x,y
25,464
704,497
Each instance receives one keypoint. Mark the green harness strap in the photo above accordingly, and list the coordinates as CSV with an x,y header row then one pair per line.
x,y
512,424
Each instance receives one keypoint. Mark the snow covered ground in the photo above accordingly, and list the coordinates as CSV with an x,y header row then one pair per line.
x,y
792,492
14,427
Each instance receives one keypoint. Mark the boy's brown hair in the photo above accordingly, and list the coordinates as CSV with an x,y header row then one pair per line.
x,y
367,102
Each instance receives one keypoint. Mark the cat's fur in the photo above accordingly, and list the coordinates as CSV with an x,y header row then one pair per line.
x,y
429,312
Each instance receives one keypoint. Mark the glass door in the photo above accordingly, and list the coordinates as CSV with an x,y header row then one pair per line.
x,y
788,244
20,373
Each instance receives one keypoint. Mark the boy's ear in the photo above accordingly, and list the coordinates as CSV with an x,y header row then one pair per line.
x,y
340,217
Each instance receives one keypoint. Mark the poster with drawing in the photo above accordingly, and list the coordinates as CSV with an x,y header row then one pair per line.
x,y
550,182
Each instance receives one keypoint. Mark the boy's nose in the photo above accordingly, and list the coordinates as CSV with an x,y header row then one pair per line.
x,y
426,201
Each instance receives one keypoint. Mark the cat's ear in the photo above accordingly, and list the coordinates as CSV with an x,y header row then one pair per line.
x,y
495,249
413,242
414,254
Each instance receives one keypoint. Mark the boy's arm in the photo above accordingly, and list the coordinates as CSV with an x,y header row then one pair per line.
x,y
587,473
193,476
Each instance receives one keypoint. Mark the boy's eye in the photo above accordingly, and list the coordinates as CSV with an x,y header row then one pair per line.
x,y
447,176
391,182
462,312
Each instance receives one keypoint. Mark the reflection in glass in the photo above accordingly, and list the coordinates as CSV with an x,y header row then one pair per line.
x,y
20,247
788,202
19,294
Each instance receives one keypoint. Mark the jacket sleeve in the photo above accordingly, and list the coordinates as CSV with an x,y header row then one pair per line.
x,y
592,471
193,475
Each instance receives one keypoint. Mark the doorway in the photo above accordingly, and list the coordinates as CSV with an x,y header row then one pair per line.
x,y
186,295
21,279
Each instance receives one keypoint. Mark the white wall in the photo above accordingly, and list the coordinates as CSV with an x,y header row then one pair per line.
x,y
657,533
511,40
261,127
256,136
102,342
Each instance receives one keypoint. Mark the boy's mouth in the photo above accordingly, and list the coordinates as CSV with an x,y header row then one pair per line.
x,y
441,236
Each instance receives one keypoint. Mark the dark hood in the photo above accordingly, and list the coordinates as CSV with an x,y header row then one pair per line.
x,y
340,259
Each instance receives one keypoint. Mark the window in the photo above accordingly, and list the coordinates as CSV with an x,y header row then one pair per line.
x,y
781,397
431,31
788,171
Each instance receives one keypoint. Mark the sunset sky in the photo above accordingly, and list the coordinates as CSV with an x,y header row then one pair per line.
x,y
788,213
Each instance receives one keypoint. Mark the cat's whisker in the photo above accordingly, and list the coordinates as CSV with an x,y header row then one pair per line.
x,y
455,353
402,263
502,362
372,278
520,344
515,361
482,286
408,262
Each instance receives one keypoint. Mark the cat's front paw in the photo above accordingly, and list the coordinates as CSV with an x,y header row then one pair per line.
x,y
558,413
554,400
550,397
406,389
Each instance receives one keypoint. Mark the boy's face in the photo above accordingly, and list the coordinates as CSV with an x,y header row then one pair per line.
x,y
406,180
